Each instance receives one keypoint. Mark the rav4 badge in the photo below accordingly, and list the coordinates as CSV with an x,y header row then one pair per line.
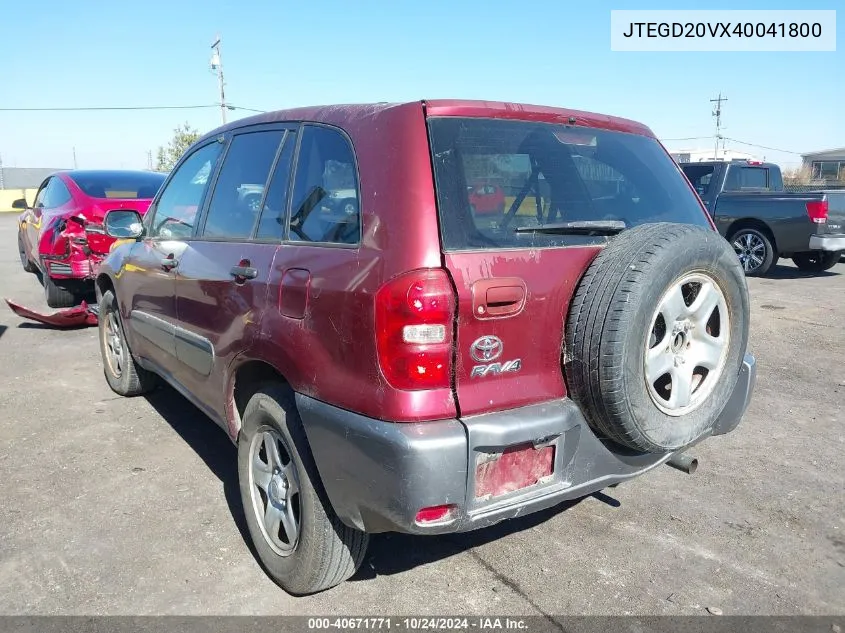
x,y
489,348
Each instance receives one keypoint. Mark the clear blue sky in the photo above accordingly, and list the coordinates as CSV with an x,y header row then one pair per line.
x,y
279,53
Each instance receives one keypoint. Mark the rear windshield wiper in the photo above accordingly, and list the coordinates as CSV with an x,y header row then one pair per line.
x,y
582,227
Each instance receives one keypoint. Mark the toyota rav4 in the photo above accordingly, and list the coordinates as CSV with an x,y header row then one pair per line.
x,y
398,363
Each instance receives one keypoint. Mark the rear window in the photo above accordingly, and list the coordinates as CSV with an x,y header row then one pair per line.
x,y
119,185
549,174
740,178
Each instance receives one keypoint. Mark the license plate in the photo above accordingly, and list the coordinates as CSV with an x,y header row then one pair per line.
x,y
516,468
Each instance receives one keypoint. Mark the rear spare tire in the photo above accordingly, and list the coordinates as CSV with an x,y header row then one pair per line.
x,y
656,334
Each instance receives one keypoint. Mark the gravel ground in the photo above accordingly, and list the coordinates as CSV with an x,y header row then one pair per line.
x,y
130,506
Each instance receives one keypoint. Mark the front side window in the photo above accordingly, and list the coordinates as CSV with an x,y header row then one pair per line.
x,y
41,196
177,207
546,174
236,201
325,199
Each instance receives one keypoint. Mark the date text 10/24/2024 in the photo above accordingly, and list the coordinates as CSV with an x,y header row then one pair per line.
x,y
480,623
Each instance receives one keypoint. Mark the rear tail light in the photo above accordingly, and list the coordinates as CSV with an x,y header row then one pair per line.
x,y
817,210
435,514
414,324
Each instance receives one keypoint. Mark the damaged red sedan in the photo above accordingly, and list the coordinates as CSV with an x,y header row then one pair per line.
x,y
61,236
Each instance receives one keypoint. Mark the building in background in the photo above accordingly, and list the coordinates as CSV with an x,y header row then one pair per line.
x,y
826,166
700,155
21,182
24,177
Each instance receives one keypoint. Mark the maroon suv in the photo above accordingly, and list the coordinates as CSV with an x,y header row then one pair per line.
x,y
315,281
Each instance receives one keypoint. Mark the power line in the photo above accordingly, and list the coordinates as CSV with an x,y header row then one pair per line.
x,y
103,108
774,149
687,138
100,108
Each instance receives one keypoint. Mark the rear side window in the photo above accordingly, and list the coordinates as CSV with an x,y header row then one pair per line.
x,y
236,201
325,202
549,174
57,193
176,210
700,176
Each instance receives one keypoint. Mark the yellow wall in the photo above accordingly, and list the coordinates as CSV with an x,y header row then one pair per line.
x,y
7,196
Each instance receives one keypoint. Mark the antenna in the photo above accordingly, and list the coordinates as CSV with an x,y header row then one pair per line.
x,y
717,112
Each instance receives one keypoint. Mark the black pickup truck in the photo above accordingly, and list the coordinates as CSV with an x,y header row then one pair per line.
x,y
763,222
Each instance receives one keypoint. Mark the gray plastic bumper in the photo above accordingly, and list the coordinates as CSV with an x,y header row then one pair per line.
x,y
378,475
832,242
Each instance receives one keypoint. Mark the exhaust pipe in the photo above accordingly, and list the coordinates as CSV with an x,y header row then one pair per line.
x,y
683,462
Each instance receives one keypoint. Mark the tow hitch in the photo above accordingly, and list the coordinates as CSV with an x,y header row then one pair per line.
x,y
82,315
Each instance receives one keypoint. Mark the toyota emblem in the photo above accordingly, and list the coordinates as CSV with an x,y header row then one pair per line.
x,y
486,349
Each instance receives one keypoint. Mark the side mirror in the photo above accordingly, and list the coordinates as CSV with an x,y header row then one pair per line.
x,y
20,203
123,224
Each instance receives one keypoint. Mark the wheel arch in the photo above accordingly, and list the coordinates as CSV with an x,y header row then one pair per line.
x,y
102,284
753,223
245,376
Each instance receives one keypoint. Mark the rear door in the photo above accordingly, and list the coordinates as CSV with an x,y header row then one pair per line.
x,y
515,279
222,275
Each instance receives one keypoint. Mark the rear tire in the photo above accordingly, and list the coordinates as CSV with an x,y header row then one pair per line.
x,y
25,263
124,375
755,251
816,261
57,296
320,551
649,387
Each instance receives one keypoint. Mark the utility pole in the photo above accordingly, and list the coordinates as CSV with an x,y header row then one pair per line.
x,y
717,112
217,67
74,157
1,172
150,159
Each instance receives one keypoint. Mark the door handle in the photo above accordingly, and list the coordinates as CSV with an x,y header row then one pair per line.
x,y
169,263
504,300
243,272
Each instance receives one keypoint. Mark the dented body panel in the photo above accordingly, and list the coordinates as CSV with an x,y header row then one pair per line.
x,y
308,313
62,234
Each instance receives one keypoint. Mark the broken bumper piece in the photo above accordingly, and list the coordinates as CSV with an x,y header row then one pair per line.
x,y
82,315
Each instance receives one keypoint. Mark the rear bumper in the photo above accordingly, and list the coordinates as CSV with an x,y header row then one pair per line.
x,y
833,242
75,266
378,475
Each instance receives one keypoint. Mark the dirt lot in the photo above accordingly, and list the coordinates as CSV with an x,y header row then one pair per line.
x,y
117,506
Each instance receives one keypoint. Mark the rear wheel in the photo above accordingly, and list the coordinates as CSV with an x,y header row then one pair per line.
x,y
816,261
58,296
755,251
300,541
25,263
124,375
656,334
